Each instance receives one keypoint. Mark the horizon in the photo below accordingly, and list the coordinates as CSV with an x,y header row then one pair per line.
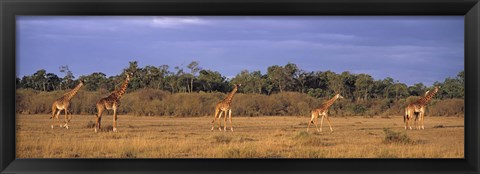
x,y
381,46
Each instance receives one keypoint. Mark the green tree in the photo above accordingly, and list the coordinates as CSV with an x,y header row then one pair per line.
x,y
452,88
347,84
277,77
378,89
136,80
212,81
363,84
150,77
162,73
388,86
400,90
67,81
291,73
258,81
18,83
461,83
40,80
95,81
330,83
417,89
245,79
194,69
303,80
53,81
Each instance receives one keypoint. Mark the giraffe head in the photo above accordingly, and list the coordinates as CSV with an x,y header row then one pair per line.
x,y
426,93
435,90
129,74
82,81
339,96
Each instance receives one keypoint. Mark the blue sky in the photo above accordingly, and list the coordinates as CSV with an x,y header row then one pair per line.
x,y
410,49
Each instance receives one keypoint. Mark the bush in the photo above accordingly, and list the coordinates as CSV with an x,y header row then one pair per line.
x,y
396,137
90,124
153,102
359,109
304,138
447,107
222,139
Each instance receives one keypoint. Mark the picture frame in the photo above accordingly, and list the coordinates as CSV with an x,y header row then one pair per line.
x,y
11,8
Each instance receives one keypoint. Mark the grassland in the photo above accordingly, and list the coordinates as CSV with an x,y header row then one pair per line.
x,y
253,137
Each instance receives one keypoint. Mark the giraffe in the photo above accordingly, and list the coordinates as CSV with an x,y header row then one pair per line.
x,y
323,111
224,107
417,109
63,103
112,102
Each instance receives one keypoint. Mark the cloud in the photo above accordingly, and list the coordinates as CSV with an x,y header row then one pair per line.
x,y
177,22
230,44
329,36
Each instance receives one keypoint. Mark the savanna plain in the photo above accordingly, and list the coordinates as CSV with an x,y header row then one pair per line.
x,y
253,137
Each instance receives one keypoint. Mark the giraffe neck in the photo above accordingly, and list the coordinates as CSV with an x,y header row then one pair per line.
x,y
330,102
428,97
69,95
117,94
229,98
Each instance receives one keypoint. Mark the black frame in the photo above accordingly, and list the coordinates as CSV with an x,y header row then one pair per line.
x,y
9,8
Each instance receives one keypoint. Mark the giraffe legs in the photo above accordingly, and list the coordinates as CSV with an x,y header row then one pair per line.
x,y
418,120
70,116
409,116
219,114
415,119
56,117
225,122
311,120
99,118
230,118
220,121
54,110
321,123
66,120
329,125
115,119
214,118
421,125
316,124
405,118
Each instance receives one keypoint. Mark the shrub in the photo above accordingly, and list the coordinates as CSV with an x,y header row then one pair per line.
x,y
396,137
304,138
447,107
232,153
90,124
222,139
153,102
359,109
302,135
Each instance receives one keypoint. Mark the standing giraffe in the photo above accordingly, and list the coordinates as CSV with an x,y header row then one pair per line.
x,y
224,107
112,102
417,109
63,103
323,110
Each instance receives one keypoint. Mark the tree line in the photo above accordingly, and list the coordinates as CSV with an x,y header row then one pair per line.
x,y
277,79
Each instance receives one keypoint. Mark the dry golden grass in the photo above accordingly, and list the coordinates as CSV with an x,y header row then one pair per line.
x,y
254,137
